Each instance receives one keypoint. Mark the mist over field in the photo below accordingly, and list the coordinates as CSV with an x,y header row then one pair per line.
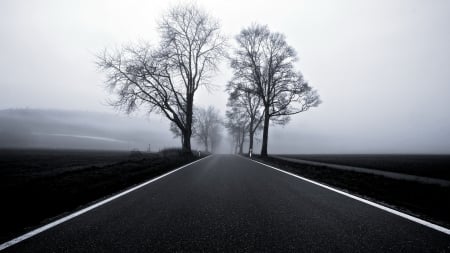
x,y
69,129
169,125
33,128
380,67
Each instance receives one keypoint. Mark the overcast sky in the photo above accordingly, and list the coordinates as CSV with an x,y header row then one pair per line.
x,y
382,68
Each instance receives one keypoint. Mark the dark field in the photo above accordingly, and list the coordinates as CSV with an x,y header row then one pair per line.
x,y
436,166
38,185
41,162
426,201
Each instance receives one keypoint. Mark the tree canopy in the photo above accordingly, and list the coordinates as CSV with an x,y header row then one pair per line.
x,y
164,78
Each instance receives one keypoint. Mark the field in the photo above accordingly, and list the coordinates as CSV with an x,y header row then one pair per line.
x,y
38,185
426,201
436,166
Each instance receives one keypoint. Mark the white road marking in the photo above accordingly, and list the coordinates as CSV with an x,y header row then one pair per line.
x,y
387,209
389,174
87,209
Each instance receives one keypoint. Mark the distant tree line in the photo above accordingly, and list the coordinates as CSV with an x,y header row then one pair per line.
x,y
163,78
206,128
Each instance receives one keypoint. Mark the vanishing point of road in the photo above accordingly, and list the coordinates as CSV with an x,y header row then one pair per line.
x,y
227,203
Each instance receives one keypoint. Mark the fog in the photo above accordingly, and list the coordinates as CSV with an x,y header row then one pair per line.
x,y
380,67
31,128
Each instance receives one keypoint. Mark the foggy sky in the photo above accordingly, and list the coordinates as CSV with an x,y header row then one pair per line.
x,y
380,67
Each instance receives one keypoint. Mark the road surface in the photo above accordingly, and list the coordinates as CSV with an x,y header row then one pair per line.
x,y
229,203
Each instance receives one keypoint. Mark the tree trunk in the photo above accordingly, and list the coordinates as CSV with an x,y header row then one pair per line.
x,y
187,143
250,144
206,144
250,137
241,145
188,132
265,132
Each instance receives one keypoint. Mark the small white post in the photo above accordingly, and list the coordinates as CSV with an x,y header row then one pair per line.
x,y
250,153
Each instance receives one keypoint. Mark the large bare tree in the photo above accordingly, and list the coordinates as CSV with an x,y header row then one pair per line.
x,y
264,60
165,78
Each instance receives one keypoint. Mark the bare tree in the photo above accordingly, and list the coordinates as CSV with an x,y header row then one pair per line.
x,y
215,136
237,124
165,78
242,95
207,127
264,60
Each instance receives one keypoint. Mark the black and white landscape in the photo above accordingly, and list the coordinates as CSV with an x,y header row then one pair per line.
x,y
224,126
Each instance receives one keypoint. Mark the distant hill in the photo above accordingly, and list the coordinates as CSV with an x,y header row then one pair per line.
x,y
64,129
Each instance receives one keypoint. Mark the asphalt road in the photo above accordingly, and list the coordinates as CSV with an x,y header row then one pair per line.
x,y
228,203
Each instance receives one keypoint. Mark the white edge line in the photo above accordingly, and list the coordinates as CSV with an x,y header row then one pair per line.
x,y
387,209
87,209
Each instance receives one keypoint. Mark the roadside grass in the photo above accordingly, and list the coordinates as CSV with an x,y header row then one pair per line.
x,y
433,166
33,197
426,201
